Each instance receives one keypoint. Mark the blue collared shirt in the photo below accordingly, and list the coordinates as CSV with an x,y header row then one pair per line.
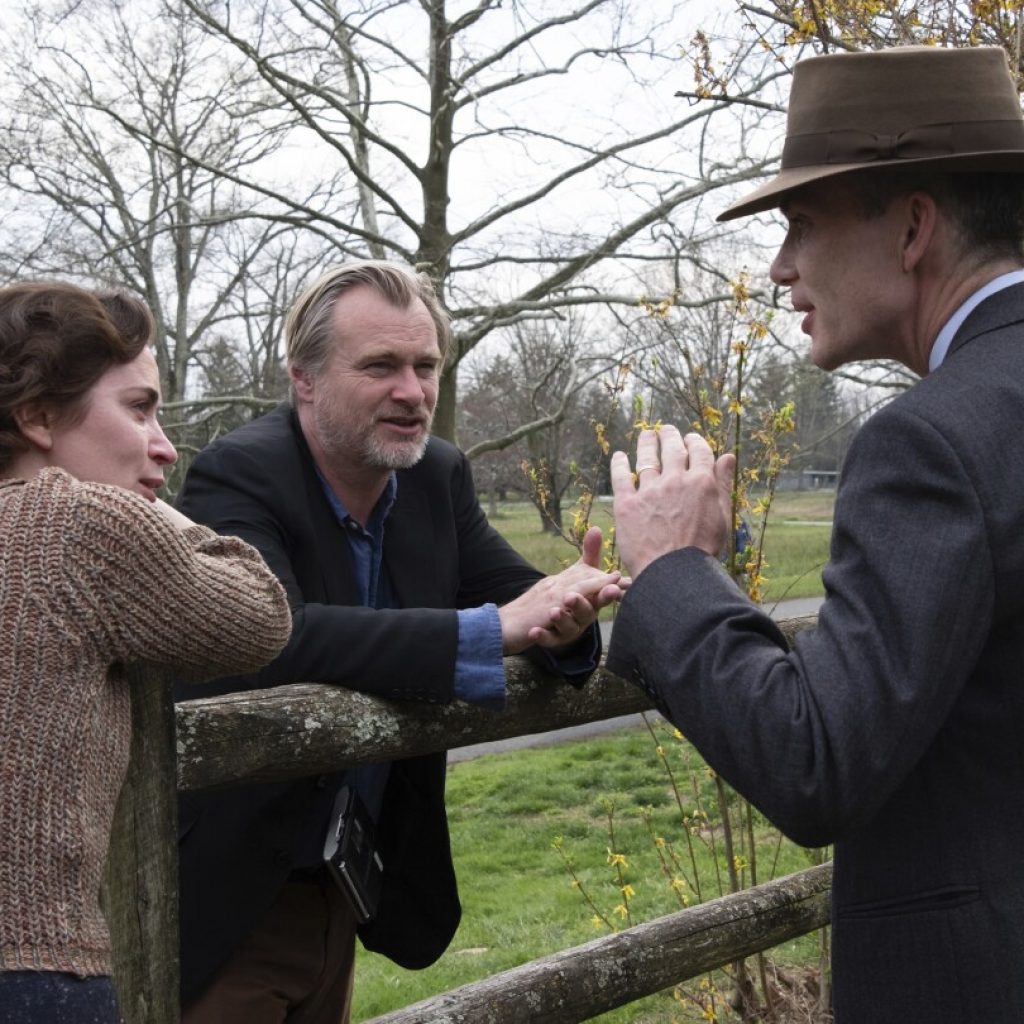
x,y
479,668
948,332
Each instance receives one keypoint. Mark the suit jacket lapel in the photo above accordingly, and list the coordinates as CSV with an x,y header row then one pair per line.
x,y
336,585
997,311
410,548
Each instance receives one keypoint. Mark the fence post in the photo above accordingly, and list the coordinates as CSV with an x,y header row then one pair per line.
x,y
140,895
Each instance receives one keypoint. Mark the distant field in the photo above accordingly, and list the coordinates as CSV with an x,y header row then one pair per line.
x,y
810,505
796,540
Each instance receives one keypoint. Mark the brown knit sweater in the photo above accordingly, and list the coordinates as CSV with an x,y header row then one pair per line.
x,y
92,577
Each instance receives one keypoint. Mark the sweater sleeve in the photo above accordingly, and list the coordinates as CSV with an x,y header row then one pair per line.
x,y
146,590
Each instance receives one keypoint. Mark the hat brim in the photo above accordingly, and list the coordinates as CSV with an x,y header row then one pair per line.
x,y
788,180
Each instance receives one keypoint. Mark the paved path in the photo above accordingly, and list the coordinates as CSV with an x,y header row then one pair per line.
x,y
783,610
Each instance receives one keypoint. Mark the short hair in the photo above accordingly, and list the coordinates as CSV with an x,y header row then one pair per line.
x,y
308,336
985,207
56,341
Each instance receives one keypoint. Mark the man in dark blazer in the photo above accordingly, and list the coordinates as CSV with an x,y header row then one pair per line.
x,y
893,729
399,587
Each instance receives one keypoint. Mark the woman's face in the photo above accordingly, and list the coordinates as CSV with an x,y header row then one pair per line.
x,y
118,440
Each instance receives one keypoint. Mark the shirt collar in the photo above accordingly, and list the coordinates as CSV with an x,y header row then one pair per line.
x,y
380,511
948,332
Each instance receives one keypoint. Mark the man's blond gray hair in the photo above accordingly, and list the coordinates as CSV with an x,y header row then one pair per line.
x,y
309,335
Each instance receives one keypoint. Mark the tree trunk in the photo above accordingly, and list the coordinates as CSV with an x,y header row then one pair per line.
x,y
444,418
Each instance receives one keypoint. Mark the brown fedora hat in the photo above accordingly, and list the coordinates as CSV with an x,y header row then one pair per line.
x,y
912,106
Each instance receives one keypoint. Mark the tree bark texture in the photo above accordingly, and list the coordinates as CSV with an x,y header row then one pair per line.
x,y
140,893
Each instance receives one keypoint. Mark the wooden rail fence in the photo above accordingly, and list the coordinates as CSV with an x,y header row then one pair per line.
x,y
298,730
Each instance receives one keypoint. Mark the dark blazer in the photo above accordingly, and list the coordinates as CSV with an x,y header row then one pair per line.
x,y
893,730
238,845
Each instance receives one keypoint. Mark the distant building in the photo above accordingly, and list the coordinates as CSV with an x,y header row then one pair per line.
x,y
812,479
806,479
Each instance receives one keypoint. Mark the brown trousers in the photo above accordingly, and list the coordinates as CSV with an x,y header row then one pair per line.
x,y
295,967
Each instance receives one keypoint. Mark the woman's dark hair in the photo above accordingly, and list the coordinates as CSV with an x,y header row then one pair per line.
x,y
56,341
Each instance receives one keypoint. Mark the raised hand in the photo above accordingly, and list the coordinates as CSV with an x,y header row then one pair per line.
x,y
681,496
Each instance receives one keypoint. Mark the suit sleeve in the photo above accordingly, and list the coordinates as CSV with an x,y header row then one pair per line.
x,y
819,738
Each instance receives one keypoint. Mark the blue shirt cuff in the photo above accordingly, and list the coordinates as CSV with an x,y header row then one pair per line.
x,y
479,668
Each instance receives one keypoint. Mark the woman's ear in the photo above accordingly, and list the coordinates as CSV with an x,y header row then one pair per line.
x,y
36,420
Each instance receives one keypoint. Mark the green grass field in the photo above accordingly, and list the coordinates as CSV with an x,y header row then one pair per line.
x,y
796,540
507,810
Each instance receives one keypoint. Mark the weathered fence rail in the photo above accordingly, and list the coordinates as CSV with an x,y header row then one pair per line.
x,y
299,730
576,984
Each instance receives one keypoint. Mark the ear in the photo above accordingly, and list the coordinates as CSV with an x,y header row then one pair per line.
x,y
36,421
922,217
302,382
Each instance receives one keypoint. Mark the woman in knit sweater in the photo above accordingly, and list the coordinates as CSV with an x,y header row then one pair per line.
x,y
95,572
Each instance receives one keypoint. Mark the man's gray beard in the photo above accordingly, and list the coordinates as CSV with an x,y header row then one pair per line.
x,y
370,450
394,456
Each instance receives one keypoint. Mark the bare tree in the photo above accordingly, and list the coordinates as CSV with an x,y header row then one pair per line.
x,y
472,146
185,148
100,108
535,394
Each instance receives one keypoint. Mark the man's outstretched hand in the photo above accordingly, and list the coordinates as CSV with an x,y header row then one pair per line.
x,y
558,609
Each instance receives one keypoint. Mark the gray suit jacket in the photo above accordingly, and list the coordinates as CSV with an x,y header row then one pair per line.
x,y
894,729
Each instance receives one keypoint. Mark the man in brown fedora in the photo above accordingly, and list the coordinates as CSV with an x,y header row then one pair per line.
x,y
894,729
